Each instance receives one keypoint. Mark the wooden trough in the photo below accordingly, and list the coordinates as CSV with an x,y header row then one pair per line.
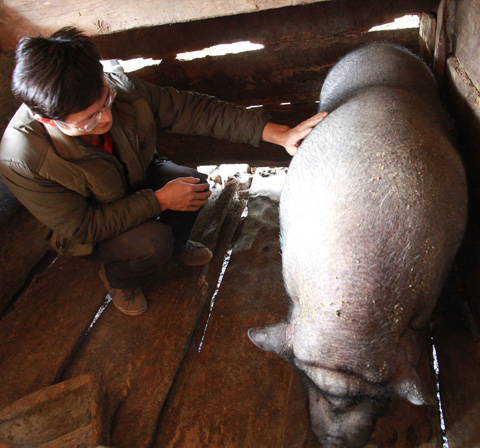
x,y
185,374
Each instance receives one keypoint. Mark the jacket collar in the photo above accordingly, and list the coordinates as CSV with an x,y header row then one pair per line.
x,y
65,145
71,148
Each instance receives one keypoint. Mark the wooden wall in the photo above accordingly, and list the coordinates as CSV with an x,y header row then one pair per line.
x,y
461,84
456,60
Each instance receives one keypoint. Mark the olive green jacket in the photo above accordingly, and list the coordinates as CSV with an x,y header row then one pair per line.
x,y
80,191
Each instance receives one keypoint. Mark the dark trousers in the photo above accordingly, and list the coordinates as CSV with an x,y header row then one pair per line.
x,y
137,253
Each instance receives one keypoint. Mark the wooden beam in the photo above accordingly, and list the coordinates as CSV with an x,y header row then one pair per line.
x,y
442,47
285,25
286,72
428,27
30,17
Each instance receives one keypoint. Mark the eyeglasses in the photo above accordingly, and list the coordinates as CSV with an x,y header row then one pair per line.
x,y
92,122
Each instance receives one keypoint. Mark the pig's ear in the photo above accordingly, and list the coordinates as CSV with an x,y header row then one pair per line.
x,y
411,388
275,338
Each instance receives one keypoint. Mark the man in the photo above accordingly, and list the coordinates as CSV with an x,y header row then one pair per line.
x,y
80,155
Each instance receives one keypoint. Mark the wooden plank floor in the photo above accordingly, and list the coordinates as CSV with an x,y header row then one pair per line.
x,y
162,391
46,325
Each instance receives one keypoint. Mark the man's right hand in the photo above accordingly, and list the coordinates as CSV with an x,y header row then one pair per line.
x,y
184,194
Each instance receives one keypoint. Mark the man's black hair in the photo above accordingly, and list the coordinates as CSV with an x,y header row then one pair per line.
x,y
58,76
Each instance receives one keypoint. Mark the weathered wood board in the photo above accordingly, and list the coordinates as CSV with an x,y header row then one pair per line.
x,y
231,392
44,327
35,420
427,34
46,336
464,102
324,21
138,358
109,16
23,246
281,73
464,34
28,17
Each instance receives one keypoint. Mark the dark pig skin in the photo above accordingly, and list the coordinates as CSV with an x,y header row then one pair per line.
x,y
372,213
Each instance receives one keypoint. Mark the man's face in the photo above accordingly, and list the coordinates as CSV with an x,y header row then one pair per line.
x,y
95,120
99,115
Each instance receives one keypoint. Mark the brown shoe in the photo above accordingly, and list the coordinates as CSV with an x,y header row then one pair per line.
x,y
131,302
195,254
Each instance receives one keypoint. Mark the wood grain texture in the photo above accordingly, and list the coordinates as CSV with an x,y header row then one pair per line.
x,y
30,17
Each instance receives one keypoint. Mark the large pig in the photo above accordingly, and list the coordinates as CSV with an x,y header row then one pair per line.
x,y
372,213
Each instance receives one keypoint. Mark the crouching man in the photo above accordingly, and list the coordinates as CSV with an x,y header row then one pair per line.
x,y
80,155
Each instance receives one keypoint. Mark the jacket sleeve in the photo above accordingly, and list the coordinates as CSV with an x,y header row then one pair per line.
x,y
187,112
72,215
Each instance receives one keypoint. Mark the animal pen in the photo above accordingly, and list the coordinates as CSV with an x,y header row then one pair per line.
x,y
77,373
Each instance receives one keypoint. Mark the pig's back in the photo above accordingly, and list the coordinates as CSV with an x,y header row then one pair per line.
x,y
374,201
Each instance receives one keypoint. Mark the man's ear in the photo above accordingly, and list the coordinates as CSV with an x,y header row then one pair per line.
x,y
44,120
